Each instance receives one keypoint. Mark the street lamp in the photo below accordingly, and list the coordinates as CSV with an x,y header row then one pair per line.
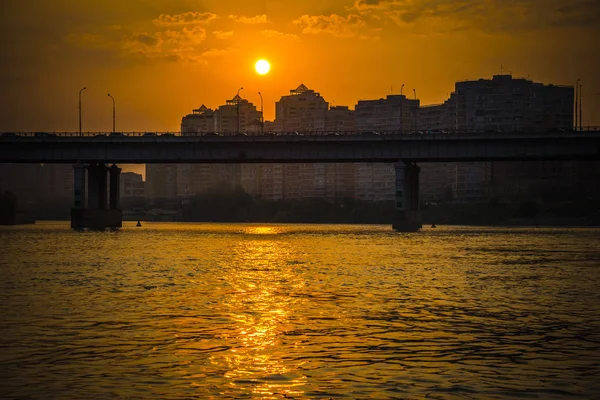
x,y
416,117
580,112
262,116
113,101
80,109
576,100
238,108
401,108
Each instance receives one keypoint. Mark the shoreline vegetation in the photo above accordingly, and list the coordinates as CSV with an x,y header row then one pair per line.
x,y
235,205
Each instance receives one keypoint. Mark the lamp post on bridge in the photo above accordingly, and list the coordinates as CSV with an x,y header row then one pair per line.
x,y
401,108
576,100
262,116
580,112
416,117
80,109
238,108
113,101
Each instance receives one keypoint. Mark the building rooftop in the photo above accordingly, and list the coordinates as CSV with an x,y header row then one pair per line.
x,y
302,89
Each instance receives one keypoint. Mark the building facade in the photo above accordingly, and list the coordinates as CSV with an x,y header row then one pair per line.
x,y
340,119
512,105
238,115
500,104
161,188
303,110
200,121
131,185
393,114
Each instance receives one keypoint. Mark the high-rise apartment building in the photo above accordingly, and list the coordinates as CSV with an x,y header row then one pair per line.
x,y
340,119
303,110
509,104
374,182
236,116
200,121
186,180
306,111
500,104
161,188
195,179
395,113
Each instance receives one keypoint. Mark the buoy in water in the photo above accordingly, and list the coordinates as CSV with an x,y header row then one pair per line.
x,y
139,223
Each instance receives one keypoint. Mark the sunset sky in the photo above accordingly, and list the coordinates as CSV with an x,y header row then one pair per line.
x,y
160,59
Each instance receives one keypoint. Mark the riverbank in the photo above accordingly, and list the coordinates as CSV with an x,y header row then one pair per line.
x,y
239,207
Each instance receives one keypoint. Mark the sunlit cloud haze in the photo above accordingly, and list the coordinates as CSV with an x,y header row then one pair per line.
x,y
162,58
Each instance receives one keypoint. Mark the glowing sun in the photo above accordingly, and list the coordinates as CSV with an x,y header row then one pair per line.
x,y
262,67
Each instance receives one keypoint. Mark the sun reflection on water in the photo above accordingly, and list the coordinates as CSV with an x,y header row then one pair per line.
x,y
262,230
259,305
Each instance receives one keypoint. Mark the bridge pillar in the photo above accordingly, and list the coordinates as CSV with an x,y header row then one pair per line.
x,y
78,210
79,186
93,189
115,187
408,214
96,215
102,186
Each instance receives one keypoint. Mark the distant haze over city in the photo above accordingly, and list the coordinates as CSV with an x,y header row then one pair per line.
x,y
160,59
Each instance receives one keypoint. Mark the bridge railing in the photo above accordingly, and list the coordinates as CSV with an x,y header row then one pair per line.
x,y
386,133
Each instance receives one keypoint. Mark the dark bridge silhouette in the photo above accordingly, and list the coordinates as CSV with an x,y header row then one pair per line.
x,y
95,151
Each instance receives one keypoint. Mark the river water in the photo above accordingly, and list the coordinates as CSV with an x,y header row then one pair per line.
x,y
181,311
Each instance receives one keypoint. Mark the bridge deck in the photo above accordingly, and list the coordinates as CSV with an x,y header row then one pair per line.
x,y
140,148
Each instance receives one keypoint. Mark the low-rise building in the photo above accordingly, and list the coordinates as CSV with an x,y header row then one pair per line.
x,y
131,185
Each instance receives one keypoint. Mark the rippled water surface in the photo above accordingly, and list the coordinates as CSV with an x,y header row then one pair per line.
x,y
182,311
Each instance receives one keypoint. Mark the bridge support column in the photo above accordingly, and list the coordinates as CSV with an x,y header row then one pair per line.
x,y
115,214
115,186
78,196
408,214
93,189
96,215
79,186
102,186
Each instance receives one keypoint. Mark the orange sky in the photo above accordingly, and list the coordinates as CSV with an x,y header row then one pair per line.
x,y
162,58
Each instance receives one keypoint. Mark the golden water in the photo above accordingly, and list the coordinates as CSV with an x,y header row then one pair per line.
x,y
181,311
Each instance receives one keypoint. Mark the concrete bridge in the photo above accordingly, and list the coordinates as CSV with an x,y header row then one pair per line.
x,y
170,148
94,151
